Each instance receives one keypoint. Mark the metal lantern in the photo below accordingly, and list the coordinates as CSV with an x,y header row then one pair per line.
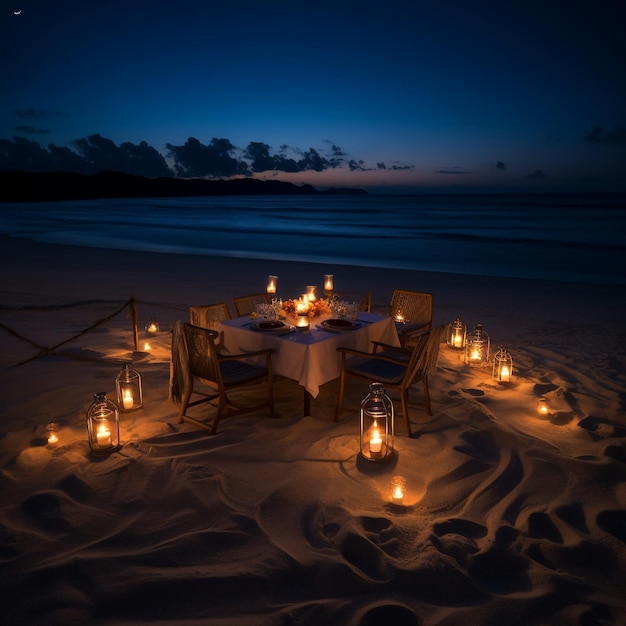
x,y
477,346
129,389
502,366
456,334
103,425
377,424
152,327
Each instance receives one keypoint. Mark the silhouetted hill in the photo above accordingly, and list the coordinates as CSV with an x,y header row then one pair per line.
x,y
51,186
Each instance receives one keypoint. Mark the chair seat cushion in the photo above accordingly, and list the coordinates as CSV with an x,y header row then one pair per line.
x,y
235,372
382,371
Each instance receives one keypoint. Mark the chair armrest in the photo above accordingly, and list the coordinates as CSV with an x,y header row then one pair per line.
x,y
245,355
388,347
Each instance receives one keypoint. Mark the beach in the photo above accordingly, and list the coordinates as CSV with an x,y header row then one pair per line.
x,y
509,516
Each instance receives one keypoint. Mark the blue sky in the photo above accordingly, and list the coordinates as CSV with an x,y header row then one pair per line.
x,y
485,96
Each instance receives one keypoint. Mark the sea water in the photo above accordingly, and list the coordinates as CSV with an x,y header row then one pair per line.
x,y
577,238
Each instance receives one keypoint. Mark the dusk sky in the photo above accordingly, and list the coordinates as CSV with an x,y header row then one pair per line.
x,y
454,95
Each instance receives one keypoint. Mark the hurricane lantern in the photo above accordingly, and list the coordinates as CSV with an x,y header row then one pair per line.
x,y
272,281
310,292
328,283
129,388
456,335
477,346
377,424
103,425
502,366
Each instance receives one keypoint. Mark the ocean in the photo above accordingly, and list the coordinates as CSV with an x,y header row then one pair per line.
x,y
575,238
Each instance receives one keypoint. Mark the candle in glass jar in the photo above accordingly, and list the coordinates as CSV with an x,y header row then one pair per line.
x,y
53,433
271,283
376,443
398,484
127,400
328,282
104,437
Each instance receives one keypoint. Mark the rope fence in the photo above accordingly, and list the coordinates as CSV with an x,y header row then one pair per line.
x,y
130,304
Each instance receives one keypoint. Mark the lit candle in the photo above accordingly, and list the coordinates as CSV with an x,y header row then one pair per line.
x,y
104,437
127,400
328,282
271,283
376,443
399,318
53,433
146,347
542,407
458,341
505,374
152,328
398,483
475,355
310,292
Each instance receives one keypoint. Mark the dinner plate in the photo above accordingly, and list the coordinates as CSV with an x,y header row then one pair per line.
x,y
271,326
341,324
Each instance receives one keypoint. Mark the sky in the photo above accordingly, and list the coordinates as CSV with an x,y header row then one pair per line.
x,y
392,95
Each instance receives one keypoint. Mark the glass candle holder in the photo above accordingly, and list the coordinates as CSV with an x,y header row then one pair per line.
x,y
377,425
328,283
152,327
103,425
272,282
129,388
52,433
398,489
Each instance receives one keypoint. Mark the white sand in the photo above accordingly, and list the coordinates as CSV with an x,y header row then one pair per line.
x,y
510,518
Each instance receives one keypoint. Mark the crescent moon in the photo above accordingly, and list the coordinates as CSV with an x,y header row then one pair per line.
x,y
17,12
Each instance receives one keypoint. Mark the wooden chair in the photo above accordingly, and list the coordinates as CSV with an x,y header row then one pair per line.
x,y
195,358
394,367
209,316
411,311
244,305
364,300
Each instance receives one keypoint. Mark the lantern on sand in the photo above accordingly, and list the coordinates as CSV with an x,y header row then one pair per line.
x,y
477,346
129,389
377,424
502,366
152,327
456,334
103,425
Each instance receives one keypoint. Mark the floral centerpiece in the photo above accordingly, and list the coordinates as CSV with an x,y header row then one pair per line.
x,y
317,308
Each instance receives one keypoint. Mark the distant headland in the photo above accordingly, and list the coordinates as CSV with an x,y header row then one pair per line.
x,y
22,186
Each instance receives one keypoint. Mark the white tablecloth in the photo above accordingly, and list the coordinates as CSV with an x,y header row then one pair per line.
x,y
310,357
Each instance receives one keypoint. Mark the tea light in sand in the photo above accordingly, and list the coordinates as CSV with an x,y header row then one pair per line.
x,y
328,282
271,283
542,407
52,431
398,488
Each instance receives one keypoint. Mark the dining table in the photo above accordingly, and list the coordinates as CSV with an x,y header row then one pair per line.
x,y
308,356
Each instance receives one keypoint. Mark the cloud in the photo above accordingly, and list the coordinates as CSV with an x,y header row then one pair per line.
x,y
456,170
196,160
193,159
537,174
35,114
599,135
31,130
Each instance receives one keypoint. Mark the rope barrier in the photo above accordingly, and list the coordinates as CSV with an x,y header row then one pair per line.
x,y
45,350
